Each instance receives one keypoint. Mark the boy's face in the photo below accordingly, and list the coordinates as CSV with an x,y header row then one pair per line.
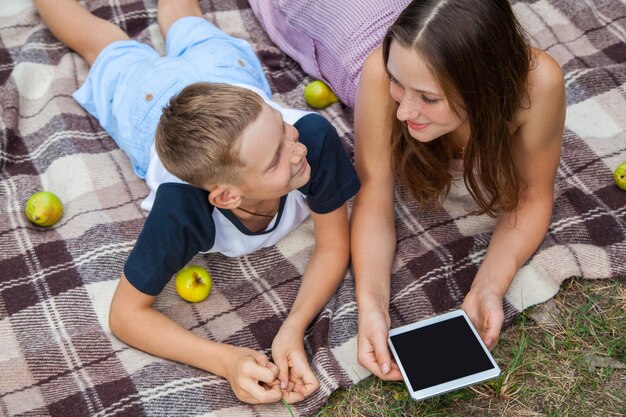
x,y
275,162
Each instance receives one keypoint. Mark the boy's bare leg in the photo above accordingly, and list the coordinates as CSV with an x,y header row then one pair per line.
x,y
76,27
169,11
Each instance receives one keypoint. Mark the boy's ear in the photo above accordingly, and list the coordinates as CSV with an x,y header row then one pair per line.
x,y
224,196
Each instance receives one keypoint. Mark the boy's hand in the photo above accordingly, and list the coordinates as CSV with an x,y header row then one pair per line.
x,y
484,308
252,376
296,379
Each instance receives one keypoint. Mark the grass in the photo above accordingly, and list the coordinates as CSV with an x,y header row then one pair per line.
x,y
563,358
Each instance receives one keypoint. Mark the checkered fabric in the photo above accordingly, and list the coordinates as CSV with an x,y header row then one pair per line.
x,y
57,354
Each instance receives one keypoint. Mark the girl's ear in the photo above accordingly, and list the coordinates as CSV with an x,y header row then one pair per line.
x,y
224,196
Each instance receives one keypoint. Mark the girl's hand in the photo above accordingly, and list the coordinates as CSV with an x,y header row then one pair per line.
x,y
295,377
251,376
484,308
373,352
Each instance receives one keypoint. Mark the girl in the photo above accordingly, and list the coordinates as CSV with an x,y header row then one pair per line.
x,y
455,85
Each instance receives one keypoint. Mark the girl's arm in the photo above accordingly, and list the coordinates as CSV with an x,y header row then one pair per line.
x,y
519,233
373,237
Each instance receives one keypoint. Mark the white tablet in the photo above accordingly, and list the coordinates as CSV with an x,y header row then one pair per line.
x,y
441,354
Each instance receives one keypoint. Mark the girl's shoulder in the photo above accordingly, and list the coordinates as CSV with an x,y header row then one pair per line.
x,y
374,66
539,123
545,73
545,87
373,89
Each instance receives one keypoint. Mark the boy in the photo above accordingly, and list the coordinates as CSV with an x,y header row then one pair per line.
x,y
227,174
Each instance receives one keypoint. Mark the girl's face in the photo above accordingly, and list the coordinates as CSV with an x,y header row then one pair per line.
x,y
421,101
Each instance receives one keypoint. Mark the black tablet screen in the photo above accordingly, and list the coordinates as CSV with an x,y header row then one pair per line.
x,y
440,352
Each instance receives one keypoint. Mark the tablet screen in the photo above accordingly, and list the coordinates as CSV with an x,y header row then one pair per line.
x,y
440,352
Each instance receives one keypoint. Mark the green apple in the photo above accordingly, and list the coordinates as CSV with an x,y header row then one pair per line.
x,y
193,283
319,95
620,175
44,208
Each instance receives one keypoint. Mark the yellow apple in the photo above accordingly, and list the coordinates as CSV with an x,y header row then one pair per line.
x,y
318,95
620,175
193,283
44,208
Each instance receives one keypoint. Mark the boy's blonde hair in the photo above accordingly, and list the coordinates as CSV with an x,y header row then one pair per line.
x,y
198,131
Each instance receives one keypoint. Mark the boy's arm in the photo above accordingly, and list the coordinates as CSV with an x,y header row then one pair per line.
x,y
322,276
133,320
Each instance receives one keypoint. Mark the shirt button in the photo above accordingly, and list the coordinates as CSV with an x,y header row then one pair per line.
x,y
149,97
241,63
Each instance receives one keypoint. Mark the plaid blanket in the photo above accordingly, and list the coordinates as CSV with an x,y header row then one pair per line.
x,y
57,354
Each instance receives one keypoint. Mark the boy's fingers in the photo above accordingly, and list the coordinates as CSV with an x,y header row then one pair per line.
x,y
266,364
276,395
283,371
272,367
292,396
290,386
302,378
301,389
262,394
307,388
260,373
295,385
307,383
261,359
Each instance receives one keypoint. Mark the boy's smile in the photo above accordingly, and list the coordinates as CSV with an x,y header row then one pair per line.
x,y
275,162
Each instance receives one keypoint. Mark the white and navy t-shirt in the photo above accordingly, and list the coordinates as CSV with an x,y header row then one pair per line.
x,y
183,223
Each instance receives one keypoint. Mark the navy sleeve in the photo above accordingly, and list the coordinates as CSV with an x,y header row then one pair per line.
x,y
178,227
333,178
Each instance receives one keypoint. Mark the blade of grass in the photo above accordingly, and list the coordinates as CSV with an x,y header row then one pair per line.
x,y
286,404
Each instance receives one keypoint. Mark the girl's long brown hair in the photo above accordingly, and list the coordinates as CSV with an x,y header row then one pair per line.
x,y
480,56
